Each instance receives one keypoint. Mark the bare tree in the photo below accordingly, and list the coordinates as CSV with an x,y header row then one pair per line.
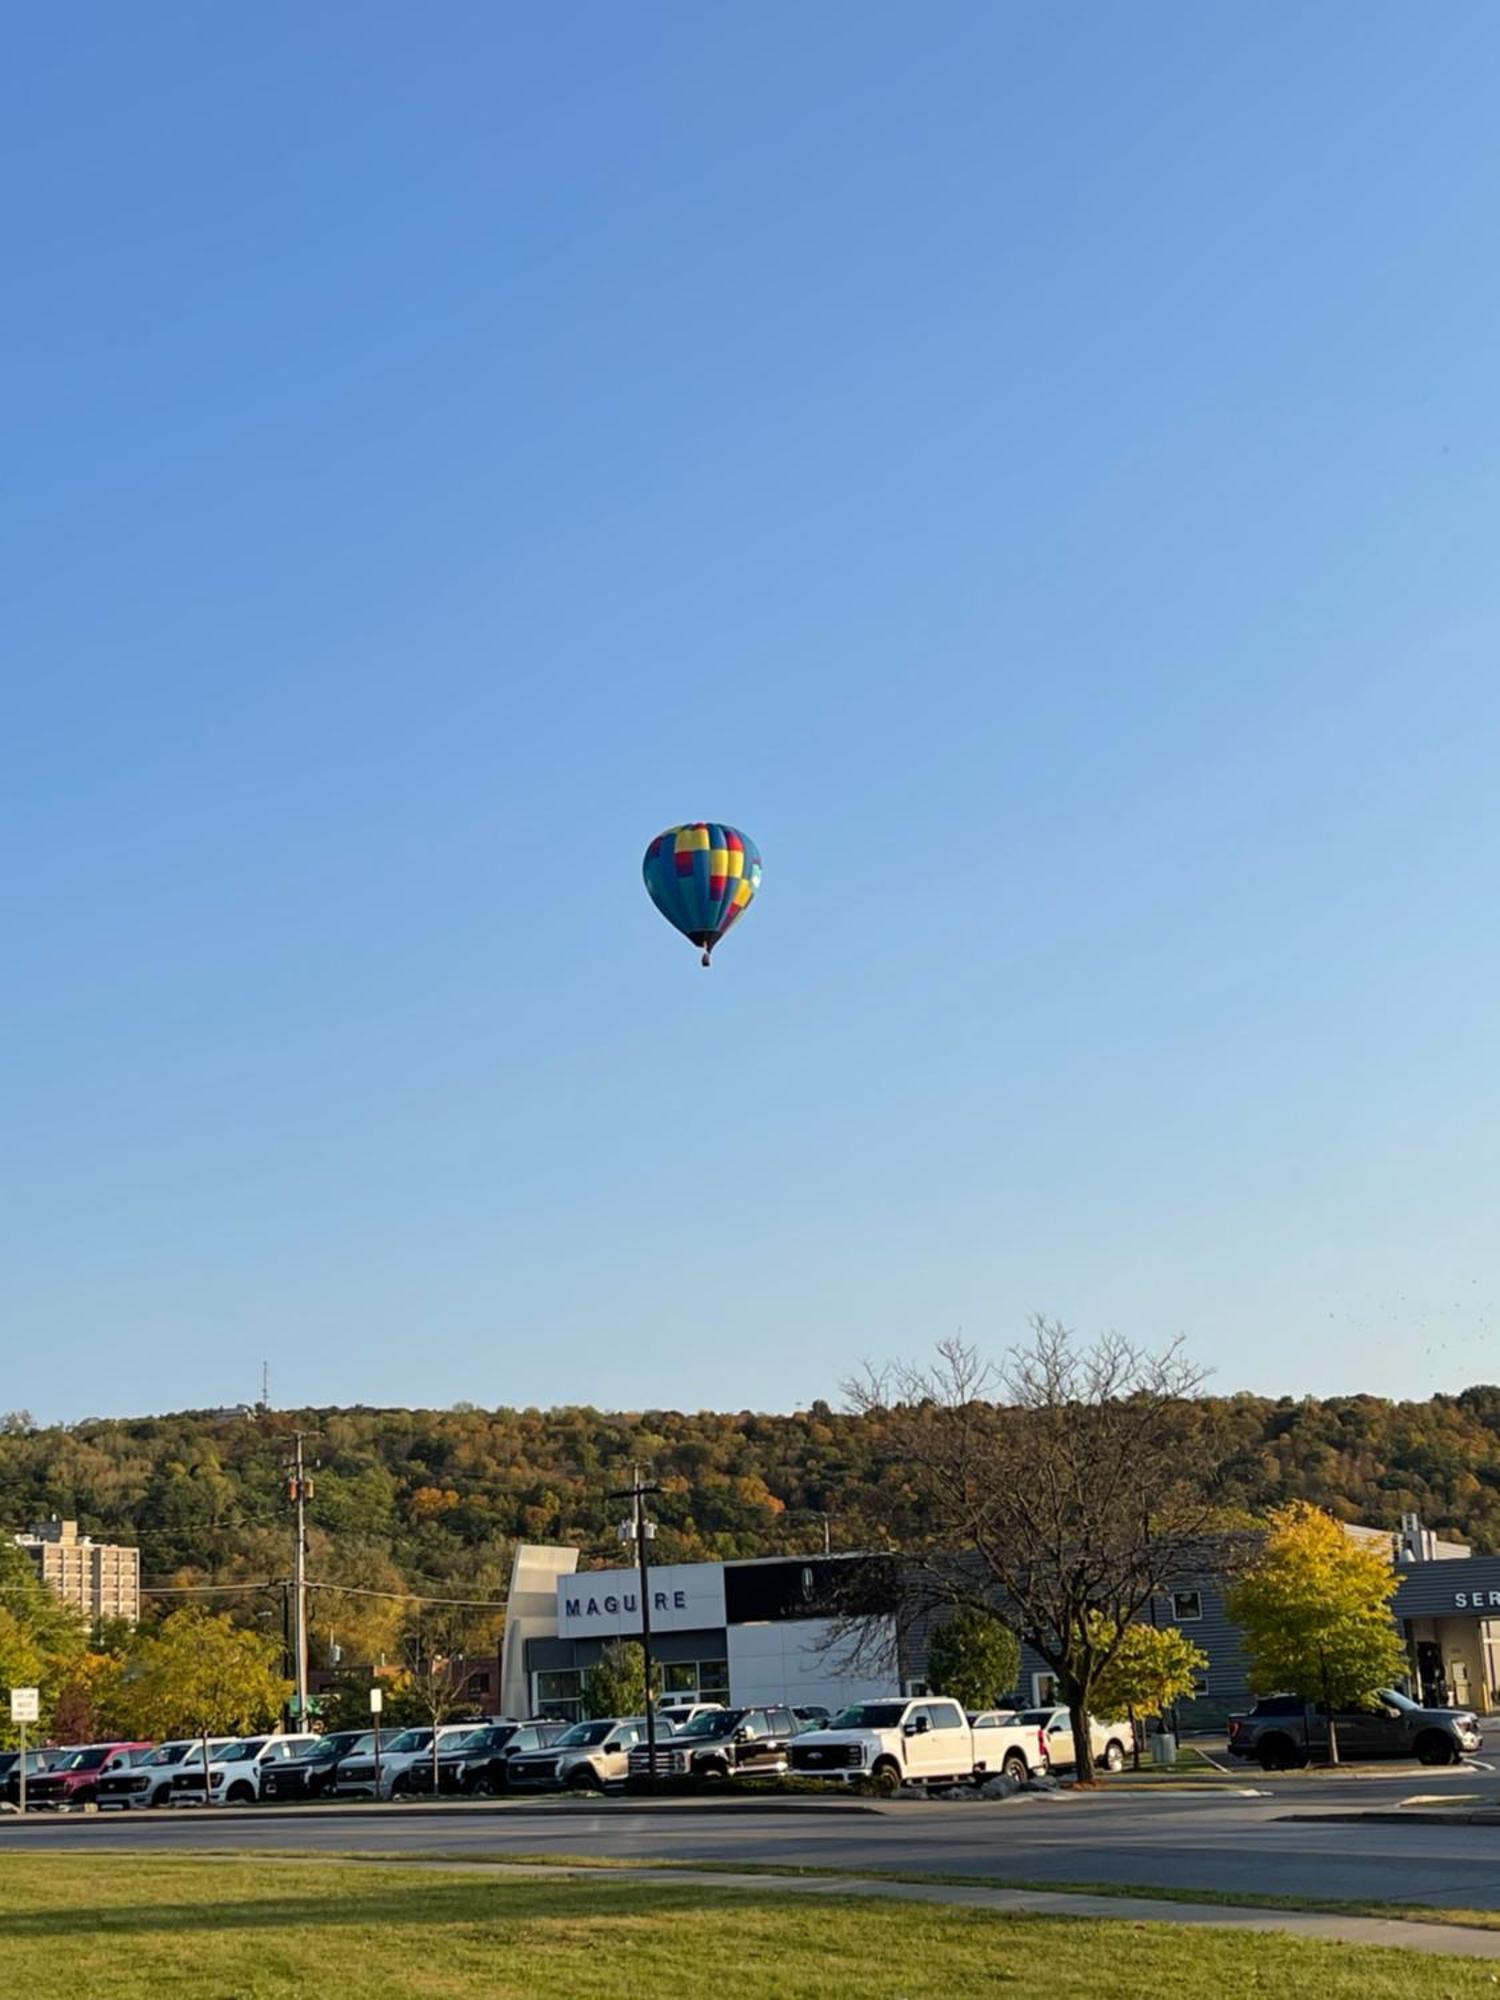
x,y
1062,1490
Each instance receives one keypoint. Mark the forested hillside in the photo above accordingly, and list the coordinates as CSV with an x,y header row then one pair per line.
x,y
427,1500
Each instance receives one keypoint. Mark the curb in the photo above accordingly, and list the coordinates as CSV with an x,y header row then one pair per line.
x,y
1395,1816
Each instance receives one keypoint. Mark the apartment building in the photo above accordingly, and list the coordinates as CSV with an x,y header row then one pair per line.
x,y
102,1579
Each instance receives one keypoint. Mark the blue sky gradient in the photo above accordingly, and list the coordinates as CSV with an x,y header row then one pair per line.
x,y
1034,470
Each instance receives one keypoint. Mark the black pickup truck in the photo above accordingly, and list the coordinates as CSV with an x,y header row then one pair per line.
x,y
720,1743
1283,1732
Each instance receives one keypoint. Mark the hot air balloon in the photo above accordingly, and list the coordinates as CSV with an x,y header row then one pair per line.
x,y
702,877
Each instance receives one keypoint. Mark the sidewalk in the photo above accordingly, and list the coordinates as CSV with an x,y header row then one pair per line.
x,y
1455,1940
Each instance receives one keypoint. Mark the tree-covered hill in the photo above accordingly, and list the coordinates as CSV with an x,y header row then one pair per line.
x,y
427,1500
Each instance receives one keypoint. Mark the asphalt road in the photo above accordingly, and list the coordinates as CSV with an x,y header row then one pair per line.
x,y
1208,1841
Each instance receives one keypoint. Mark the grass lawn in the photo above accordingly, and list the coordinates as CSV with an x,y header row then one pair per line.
x,y
117,1928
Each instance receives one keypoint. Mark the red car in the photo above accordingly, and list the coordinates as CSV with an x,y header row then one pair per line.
x,y
72,1778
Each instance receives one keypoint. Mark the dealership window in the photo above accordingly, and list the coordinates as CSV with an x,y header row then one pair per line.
x,y
1200,1686
705,1680
1043,1690
1187,1606
560,1696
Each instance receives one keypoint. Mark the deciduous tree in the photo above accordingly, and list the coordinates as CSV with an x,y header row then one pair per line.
x,y
1062,1490
1315,1610
196,1674
1153,1668
974,1657
616,1683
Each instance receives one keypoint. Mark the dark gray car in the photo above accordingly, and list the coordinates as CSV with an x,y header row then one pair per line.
x,y
1283,1732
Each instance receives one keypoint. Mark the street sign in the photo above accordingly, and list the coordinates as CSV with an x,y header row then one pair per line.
x,y
25,1705
377,1700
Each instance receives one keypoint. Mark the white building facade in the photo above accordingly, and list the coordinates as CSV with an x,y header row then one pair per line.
x,y
742,1633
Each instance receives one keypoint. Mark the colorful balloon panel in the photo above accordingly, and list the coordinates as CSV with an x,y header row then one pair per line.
x,y
702,878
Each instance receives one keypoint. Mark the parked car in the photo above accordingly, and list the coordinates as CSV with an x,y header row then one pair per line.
x,y
10,1772
400,1754
147,1780
479,1766
720,1743
1110,1741
1282,1731
72,1779
677,1714
890,1742
235,1775
591,1756
310,1774
1005,1742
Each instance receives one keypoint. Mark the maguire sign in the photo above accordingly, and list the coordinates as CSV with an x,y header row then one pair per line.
x,y
606,1603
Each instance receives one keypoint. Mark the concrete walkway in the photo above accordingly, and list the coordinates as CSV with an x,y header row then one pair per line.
x,y
1455,1940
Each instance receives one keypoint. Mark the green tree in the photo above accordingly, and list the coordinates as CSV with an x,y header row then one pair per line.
x,y
1153,1667
974,1657
42,1639
616,1683
1315,1610
21,1665
196,1674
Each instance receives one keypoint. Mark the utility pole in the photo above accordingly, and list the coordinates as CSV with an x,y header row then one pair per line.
x,y
642,1530
299,1492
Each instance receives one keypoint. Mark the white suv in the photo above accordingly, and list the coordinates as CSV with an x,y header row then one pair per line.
x,y
234,1775
892,1742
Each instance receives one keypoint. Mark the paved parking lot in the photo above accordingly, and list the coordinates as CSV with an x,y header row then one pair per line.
x,y
1211,1841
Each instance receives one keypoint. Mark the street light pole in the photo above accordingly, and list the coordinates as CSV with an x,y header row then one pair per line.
x,y
636,1493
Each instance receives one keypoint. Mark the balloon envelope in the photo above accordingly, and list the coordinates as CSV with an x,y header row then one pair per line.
x,y
702,878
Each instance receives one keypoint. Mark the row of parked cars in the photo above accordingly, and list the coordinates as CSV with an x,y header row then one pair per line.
x,y
889,1743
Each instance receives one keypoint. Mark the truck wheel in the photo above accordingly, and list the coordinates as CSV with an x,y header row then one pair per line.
x,y
241,1795
1435,1748
886,1778
1016,1768
584,1778
713,1771
1114,1756
1279,1753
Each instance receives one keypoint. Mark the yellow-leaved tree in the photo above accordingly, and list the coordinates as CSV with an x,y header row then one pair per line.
x,y
1314,1607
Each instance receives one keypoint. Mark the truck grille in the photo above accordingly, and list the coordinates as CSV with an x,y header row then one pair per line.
x,y
817,1757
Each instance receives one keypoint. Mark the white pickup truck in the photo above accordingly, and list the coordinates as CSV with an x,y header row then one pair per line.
x,y
892,1743
234,1774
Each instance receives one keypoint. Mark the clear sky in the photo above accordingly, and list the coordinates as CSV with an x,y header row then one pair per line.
x,y
1035,469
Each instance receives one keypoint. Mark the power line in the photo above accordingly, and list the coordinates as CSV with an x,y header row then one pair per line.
x,y
412,1596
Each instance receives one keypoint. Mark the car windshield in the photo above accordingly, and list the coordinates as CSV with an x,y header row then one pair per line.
x,y
85,1760
1038,1718
409,1739
715,1723
585,1732
239,1753
1395,1700
485,1739
870,1715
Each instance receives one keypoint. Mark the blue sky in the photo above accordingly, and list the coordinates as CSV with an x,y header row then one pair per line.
x,y
1033,469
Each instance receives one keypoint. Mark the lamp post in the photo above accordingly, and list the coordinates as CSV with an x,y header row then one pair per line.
x,y
640,1530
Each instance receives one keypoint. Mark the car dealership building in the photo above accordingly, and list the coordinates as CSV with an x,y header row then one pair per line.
x,y
759,1630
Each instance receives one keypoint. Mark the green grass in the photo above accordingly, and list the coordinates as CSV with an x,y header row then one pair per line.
x,y
114,1928
1229,1899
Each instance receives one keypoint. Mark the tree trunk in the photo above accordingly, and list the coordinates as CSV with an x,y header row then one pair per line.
x,y
1135,1738
1083,1744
